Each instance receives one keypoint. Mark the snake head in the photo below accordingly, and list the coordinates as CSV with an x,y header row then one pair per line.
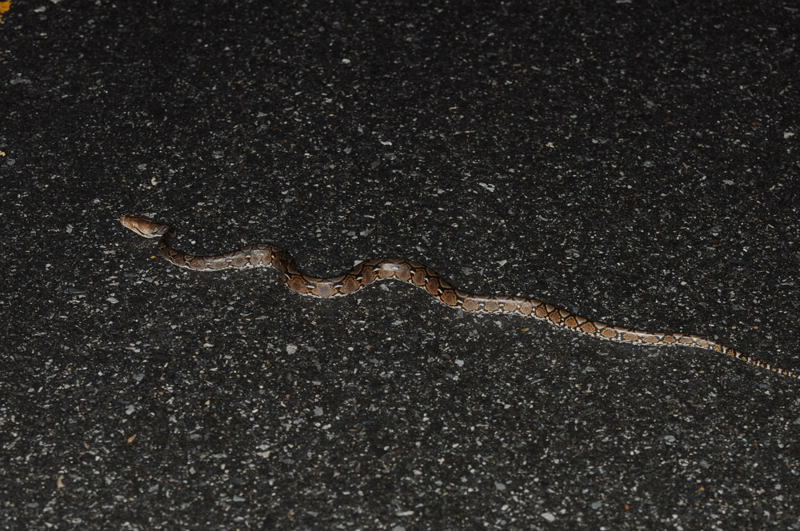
x,y
144,226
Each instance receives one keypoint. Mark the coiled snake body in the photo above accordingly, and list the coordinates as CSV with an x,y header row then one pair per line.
x,y
421,276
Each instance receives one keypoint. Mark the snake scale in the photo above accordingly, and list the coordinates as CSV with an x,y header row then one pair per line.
x,y
421,276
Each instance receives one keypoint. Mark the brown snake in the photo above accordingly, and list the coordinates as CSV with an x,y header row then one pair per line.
x,y
421,276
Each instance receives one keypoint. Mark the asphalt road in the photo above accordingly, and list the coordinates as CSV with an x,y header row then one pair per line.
x,y
636,162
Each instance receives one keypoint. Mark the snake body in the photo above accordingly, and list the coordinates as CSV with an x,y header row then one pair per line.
x,y
365,273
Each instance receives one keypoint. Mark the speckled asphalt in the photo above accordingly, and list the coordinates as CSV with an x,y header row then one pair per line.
x,y
636,162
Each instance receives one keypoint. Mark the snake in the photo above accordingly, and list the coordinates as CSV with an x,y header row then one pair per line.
x,y
420,275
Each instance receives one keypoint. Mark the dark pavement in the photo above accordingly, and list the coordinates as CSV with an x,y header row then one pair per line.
x,y
636,162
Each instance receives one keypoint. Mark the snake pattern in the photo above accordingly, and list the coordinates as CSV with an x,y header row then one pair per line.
x,y
421,276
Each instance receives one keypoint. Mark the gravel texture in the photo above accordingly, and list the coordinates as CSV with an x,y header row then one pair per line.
x,y
636,162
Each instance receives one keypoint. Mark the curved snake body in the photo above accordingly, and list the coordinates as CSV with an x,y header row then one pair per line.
x,y
421,276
